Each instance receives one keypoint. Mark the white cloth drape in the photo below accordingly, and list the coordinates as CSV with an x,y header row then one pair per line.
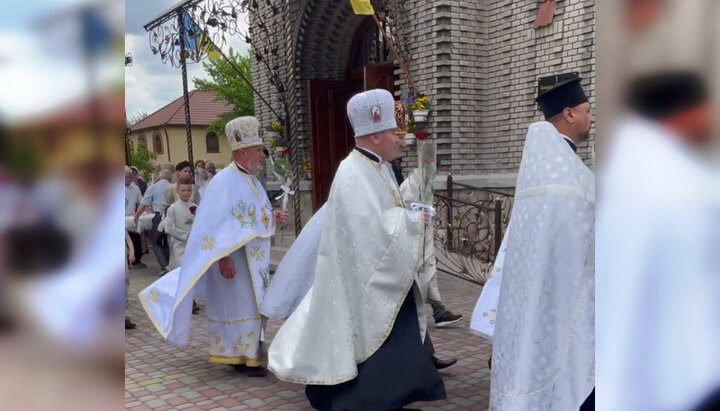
x,y
296,271
484,315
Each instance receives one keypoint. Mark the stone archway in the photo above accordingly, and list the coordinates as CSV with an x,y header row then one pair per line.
x,y
322,42
325,76
325,37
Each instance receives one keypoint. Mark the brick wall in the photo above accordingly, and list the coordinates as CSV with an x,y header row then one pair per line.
x,y
316,41
518,56
478,61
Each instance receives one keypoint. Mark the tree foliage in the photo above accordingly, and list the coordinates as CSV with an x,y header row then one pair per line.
x,y
227,85
142,158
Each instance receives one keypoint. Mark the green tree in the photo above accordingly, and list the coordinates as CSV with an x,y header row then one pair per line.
x,y
141,158
227,85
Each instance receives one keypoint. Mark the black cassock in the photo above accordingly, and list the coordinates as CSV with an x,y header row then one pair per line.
x,y
399,373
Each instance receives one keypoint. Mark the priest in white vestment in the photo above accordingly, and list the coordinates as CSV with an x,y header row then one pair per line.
x,y
658,272
356,339
226,260
543,345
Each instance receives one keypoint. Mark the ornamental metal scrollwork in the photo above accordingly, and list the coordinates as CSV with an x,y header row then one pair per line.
x,y
221,18
164,36
164,40
466,234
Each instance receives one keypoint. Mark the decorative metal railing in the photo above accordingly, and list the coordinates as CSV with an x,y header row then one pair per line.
x,y
469,226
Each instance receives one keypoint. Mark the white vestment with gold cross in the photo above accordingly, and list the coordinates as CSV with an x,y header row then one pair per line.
x,y
367,263
235,220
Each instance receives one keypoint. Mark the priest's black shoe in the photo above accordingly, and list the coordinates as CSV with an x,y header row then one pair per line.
x,y
255,371
441,364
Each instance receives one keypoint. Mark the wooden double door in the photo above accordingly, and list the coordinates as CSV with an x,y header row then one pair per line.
x,y
331,135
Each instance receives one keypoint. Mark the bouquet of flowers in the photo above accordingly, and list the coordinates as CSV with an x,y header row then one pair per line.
x,y
427,166
411,127
275,135
277,128
420,108
282,170
306,167
420,103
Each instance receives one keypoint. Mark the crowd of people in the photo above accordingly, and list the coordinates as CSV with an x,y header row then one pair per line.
x,y
170,184
351,289
356,301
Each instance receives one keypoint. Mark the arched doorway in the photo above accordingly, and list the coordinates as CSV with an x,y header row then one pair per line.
x,y
370,65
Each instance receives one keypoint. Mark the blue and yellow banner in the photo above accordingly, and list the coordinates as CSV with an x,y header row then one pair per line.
x,y
196,41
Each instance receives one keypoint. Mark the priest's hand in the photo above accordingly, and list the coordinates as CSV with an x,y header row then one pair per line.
x,y
281,216
140,211
227,268
425,217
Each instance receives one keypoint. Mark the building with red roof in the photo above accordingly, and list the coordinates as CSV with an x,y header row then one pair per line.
x,y
163,132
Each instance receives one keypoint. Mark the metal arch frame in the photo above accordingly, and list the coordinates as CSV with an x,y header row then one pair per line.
x,y
216,19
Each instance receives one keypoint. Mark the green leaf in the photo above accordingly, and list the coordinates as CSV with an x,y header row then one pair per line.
x,y
141,158
227,85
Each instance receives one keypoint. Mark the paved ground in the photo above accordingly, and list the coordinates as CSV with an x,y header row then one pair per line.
x,y
161,377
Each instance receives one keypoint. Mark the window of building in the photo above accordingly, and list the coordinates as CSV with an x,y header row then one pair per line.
x,y
212,144
157,143
368,46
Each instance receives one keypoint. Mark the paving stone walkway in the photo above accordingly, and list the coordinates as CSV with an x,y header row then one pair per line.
x,y
161,377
